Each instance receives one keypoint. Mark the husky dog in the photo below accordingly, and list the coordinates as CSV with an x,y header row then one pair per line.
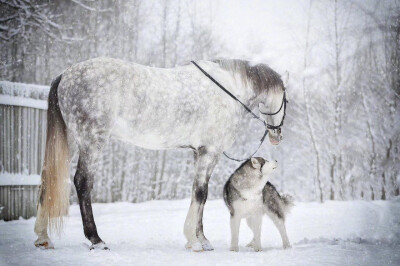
x,y
247,194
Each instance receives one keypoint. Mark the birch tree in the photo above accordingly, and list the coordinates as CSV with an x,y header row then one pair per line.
x,y
307,105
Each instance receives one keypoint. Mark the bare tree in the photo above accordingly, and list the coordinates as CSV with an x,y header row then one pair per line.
x,y
307,104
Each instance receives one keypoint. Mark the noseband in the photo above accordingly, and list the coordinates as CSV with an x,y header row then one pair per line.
x,y
267,126
283,104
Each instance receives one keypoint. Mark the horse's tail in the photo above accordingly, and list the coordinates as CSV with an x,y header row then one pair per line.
x,y
55,188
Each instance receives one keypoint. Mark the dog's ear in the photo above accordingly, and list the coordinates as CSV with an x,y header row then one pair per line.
x,y
255,163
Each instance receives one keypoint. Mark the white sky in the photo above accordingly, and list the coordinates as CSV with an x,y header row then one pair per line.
x,y
269,29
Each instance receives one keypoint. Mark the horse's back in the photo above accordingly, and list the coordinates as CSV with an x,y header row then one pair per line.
x,y
89,94
150,107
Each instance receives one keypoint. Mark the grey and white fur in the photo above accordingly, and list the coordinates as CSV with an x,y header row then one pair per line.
x,y
248,194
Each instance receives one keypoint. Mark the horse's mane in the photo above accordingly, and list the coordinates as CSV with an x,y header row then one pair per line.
x,y
260,76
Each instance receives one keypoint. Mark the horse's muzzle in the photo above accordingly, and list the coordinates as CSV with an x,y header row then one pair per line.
x,y
274,138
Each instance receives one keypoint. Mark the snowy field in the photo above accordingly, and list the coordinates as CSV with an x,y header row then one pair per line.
x,y
150,233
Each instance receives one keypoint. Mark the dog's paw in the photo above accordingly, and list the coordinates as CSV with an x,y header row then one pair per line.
x,y
257,248
234,248
251,244
287,246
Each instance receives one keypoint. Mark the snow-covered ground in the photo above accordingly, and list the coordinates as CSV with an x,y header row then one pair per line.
x,y
150,233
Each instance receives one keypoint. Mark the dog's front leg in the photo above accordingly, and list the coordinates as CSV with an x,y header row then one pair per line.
x,y
235,226
254,223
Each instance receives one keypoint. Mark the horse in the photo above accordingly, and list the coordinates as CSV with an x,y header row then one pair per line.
x,y
153,108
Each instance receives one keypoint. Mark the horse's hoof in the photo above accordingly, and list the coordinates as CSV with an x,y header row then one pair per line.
x,y
194,246
101,246
207,246
44,244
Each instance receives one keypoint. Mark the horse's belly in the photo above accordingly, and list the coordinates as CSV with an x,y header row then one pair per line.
x,y
151,137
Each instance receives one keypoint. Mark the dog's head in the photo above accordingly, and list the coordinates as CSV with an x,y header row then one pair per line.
x,y
254,173
264,167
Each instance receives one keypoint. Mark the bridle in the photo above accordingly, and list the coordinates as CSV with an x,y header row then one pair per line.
x,y
267,126
283,104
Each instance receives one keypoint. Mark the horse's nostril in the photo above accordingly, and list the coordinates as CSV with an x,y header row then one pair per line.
x,y
276,161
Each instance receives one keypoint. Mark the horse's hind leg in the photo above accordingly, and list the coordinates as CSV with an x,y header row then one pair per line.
x,y
41,225
83,181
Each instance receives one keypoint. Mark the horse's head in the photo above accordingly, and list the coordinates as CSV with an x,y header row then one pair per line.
x,y
272,109
269,92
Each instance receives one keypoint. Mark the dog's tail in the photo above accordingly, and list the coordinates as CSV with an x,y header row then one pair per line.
x,y
275,203
288,202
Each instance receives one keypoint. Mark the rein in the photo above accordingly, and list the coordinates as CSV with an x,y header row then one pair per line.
x,y
229,93
267,126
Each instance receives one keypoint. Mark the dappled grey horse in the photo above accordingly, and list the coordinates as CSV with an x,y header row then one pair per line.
x,y
152,108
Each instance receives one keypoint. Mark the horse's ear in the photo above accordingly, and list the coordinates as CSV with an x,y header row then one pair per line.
x,y
285,78
255,163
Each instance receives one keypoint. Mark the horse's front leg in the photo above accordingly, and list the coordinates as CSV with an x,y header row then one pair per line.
x,y
205,161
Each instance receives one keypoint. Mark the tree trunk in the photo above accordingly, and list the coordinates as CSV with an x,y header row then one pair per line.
x,y
311,130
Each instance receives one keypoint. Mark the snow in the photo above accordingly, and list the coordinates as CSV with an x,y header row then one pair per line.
x,y
20,101
150,233
33,91
7,179
21,94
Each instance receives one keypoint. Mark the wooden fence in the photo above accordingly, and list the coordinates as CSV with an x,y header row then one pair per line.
x,y
18,201
22,135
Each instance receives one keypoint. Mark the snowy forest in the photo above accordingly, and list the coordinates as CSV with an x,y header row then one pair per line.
x,y
342,129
